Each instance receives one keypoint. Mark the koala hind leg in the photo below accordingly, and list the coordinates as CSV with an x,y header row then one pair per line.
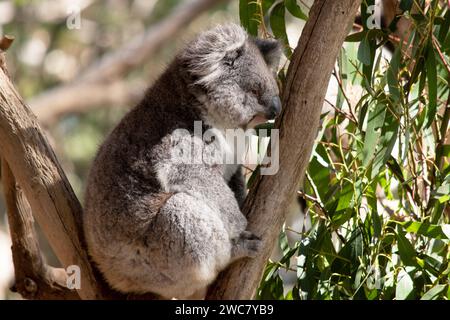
x,y
191,245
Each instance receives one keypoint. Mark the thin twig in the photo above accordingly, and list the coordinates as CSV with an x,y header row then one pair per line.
x,y
340,111
341,86
441,55
316,202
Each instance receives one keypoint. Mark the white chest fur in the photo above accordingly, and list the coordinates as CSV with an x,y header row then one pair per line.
x,y
228,154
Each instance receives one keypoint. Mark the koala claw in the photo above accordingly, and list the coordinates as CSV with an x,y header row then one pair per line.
x,y
247,245
249,236
253,247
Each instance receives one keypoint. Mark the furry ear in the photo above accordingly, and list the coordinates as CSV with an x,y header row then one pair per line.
x,y
270,50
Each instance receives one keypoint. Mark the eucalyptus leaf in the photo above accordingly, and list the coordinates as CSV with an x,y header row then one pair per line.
x,y
426,229
405,286
434,293
295,9
405,249
278,25
248,14
364,51
432,86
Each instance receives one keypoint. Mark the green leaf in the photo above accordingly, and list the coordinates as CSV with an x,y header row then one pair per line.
x,y
319,170
295,9
345,197
288,252
405,286
264,129
278,25
392,76
438,210
443,29
342,216
289,296
356,37
395,167
307,271
375,121
406,5
432,86
372,202
365,13
366,54
418,67
284,245
266,5
443,190
348,261
248,14
362,114
387,142
446,44
343,74
326,247
423,77
405,248
340,204
434,293
426,229
272,286
364,51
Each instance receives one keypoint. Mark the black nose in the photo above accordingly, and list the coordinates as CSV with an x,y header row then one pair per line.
x,y
274,108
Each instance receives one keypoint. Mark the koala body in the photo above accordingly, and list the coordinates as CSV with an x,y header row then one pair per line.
x,y
154,223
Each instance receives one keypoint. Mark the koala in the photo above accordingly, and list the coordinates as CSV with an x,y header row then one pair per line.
x,y
153,223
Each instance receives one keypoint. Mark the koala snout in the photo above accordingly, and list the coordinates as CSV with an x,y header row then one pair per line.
x,y
274,108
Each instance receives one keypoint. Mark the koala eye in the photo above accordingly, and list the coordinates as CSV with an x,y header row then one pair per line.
x,y
229,63
255,92
231,57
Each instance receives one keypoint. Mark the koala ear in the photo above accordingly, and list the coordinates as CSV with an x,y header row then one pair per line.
x,y
233,55
270,50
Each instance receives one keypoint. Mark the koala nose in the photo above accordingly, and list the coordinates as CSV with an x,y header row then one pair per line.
x,y
274,108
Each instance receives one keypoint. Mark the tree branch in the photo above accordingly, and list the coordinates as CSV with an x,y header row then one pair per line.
x,y
308,76
115,65
36,169
80,97
33,278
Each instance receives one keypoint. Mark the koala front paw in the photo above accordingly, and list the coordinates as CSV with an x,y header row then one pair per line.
x,y
247,245
253,247
249,235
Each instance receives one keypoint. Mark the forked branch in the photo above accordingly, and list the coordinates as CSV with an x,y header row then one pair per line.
x,y
34,279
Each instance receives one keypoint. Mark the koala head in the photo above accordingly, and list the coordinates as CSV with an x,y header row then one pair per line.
x,y
234,76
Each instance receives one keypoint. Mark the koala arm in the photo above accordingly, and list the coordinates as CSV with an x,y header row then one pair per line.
x,y
200,177
237,185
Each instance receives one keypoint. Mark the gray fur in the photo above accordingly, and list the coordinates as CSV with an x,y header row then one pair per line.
x,y
152,223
